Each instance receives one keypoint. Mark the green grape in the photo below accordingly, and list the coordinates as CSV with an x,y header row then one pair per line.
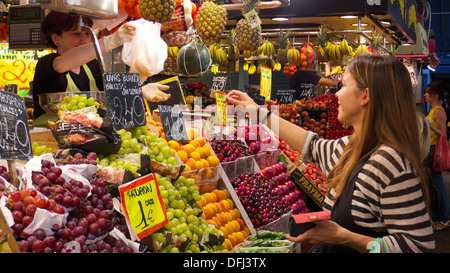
x,y
159,237
159,158
75,97
90,101
63,106
81,105
66,99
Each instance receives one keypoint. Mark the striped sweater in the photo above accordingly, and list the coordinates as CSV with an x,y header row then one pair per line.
x,y
387,198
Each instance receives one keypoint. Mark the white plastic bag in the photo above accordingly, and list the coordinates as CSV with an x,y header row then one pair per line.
x,y
147,52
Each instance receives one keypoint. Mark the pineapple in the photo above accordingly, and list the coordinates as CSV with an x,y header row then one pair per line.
x,y
211,20
248,38
283,41
160,11
322,53
230,47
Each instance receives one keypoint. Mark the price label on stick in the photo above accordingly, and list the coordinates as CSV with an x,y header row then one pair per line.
x,y
124,100
266,82
286,96
173,123
14,134
221,113
143,205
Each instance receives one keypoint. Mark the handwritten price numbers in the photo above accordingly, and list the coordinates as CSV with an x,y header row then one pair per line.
x,y
306,90
286,96
173,123
14,135
143,205
266,82
219,83
124,101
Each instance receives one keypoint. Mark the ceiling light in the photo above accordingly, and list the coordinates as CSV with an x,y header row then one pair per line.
x,y
385,22
280,19
363,25
348,17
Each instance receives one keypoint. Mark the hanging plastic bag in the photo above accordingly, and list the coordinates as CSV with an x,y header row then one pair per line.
x,y
147,52
441,160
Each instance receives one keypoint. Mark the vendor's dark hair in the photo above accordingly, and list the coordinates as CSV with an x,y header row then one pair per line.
x,y
57,22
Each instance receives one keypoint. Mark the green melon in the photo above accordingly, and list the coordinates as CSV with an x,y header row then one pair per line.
x,y
193,59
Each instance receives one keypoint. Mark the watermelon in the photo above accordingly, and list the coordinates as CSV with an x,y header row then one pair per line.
x,y
194,59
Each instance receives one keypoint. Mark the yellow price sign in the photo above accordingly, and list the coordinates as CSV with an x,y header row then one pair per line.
x,y
266,82
143,205
221,108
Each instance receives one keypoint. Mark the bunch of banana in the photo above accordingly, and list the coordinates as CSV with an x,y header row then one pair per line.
x,y
173,51
251,68
362,49
267,49
336,70
345,48
334,52
246,65
218,53
293,56
277,66
215,68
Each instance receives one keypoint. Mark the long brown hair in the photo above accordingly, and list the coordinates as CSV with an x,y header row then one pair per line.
x,y
389,120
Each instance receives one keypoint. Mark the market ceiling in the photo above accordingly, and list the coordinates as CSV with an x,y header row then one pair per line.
x,y
305,16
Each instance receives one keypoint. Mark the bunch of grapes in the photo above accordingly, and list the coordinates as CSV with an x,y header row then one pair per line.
x,y
41,149
24,203
116,161
77,102
50,183
183,214
78,158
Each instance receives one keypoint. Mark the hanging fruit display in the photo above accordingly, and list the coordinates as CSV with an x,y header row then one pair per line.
x,y
323,40
308,56
211,20
267,49
283,42
159,11
248,36
194,58
289,70
293,56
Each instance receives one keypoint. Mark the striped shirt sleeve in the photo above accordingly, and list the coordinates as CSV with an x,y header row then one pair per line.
x,y
387,198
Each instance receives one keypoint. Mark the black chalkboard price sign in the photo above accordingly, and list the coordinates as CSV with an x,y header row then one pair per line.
x,y
124,101
15,141
173,123
286,96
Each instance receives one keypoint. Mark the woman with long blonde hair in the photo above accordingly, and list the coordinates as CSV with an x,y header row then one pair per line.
x,y
378,194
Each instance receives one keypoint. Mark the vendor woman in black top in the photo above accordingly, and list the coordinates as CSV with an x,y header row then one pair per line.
x,y
74,67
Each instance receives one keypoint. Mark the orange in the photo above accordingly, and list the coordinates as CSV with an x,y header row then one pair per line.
x,y
195,155
202,201
232,240
213,161
202,152
223,194
208,212
198,165
227,194
236,225
195,143
226,205
216,192
218,206
207,149
201,140
183,155
240,222
227,216
191,147
220,220
227,244
224,231
212,222
229,228
185,149
238,214
174,145
204,163
187,169
213,208
208,196
191,163
239,237
230,202
244,233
